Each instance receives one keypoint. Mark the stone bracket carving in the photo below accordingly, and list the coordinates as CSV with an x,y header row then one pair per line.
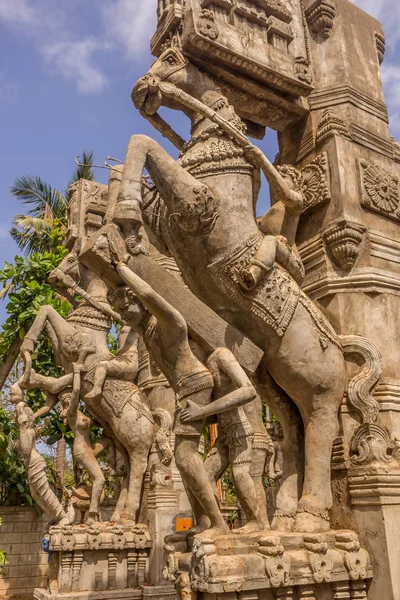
x,y
321,562
277,564
355,558
343,240
379,190
380,46
331,124
320,18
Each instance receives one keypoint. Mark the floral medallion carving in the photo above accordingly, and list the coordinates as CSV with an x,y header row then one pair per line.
x,y
380,190
343,240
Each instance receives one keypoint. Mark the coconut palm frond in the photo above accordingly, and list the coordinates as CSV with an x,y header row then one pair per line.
x,y
36,194
32,224
7,288
83,172
29,241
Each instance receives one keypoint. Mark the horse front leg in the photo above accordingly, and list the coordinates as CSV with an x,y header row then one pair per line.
x,y
293,454
170,178
47,314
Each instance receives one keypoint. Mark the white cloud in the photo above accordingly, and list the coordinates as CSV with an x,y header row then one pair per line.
x,y
131,24
18,11
46,24
75,61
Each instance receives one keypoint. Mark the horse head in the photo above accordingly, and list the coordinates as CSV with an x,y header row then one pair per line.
x,y
68,273
173,67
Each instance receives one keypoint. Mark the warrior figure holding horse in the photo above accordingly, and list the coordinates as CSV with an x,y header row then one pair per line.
x,y
207,222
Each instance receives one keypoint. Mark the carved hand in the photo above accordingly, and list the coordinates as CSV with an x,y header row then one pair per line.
x,y
192,412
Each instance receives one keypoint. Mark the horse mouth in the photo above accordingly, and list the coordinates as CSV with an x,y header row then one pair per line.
x,y
146,96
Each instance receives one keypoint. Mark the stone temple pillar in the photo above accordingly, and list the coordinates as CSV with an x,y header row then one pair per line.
x,y
349,242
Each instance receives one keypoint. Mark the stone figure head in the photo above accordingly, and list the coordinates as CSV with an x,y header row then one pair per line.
x,y
128,305
25,416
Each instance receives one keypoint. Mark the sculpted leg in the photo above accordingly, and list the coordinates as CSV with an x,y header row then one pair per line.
x,y
137,469
171,180
46,314
194,475
89,462
320,433
293,463
240,459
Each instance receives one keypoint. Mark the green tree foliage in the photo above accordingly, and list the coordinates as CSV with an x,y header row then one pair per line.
x,y
3,558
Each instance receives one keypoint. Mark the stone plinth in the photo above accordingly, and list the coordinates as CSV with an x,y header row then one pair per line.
x,y
276,565
91,561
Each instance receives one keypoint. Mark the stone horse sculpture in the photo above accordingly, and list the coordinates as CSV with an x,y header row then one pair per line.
x,y
206,218
122,407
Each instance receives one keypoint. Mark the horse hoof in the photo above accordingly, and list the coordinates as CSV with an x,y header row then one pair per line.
x,y
283,523
306,522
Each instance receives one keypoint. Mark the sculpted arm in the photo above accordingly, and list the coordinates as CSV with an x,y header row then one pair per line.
x,y
154,303
222,360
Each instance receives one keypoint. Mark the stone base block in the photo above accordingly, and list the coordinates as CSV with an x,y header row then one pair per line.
x,y
159,592
99,558
322,566
41,594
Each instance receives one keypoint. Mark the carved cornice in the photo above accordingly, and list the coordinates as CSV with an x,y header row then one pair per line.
x,y
380,191
364,279
345,94
343,240
320,17
384,247
331,124
370,140
374,488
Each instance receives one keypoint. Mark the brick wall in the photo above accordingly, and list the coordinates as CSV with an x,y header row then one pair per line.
x,y
21,537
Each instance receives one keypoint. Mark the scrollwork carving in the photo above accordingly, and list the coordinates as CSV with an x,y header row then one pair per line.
x,y
371,443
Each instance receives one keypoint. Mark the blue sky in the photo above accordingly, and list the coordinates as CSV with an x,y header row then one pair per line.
x,y
66,72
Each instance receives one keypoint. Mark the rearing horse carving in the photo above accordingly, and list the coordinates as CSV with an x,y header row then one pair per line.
x,y
121,407
207,222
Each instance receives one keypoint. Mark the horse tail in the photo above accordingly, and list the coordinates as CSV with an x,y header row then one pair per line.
x,y
43,494
362,385
163,433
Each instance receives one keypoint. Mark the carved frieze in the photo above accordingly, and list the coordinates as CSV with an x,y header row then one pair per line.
x,y
303,69
343,240
320,18
379,190
86,210
331,124
207,25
